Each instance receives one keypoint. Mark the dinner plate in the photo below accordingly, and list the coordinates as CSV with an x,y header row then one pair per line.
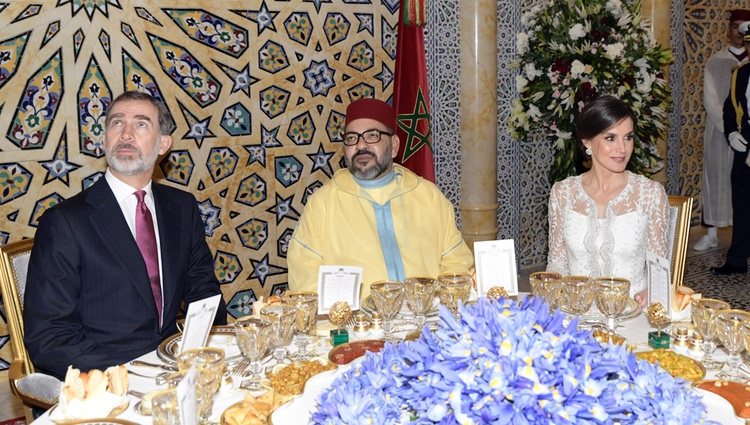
x,y
718,408
632,310
345,353
220,337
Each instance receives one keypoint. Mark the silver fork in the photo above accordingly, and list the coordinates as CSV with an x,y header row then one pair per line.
x,y
239,368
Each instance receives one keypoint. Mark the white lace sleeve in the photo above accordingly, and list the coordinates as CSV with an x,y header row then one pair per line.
x,y
657,205
557,257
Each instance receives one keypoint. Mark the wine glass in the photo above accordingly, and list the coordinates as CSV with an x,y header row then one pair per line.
x,y
209,364
420,293
305,305
454,287
546,285
729,327
387,295
282,317
252,335
164,408
576,294
611,295
704,318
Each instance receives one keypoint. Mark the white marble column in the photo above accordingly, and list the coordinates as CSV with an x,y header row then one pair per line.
x,y
478,120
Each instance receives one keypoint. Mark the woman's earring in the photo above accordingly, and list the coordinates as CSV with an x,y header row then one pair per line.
x,y
589,151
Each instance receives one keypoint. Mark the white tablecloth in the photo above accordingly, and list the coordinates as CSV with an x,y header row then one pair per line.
x,y
635,330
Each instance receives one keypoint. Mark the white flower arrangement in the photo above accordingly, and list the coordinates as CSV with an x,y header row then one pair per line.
x,y
573,51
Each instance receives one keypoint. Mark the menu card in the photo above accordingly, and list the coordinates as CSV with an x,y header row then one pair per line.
x,y
198,322
495,263
338,283
659,283
186,402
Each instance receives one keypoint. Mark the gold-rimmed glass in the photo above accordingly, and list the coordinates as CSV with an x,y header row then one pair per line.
x,y
546,285
252,334
387,295
454,288
209,363
576,294
420,294
611,295
730,329
305,305
282,317
704,318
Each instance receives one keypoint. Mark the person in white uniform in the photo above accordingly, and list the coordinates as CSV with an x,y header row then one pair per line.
x,y
717,155
605,221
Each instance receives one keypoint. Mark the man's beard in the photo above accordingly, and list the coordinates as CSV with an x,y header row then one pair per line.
x,y
131,166
380,166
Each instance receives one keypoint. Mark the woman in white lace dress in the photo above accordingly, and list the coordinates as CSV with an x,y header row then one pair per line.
x,y
604,221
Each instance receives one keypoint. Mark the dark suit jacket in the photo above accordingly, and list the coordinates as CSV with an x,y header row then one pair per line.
x,y
735,109
88,300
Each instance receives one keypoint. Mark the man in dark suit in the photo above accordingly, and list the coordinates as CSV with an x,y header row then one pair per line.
x,y
737,130
112,266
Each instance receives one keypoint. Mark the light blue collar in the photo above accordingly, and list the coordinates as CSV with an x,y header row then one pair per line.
x,y
376,183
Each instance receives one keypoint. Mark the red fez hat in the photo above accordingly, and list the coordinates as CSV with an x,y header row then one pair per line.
x,y
739,15
373,109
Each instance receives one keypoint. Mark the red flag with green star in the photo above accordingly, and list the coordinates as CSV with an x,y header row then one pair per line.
x,y
410,95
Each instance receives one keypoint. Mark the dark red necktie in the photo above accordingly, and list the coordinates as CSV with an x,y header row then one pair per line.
x,y
146,240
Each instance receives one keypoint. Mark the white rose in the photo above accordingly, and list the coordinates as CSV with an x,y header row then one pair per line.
x,y
577,68
613,51
576,32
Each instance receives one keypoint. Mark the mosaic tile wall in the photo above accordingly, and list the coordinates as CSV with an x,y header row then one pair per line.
x,y
257,92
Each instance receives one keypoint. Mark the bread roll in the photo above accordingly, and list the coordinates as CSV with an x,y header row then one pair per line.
x,y
118,379
73,387
96,384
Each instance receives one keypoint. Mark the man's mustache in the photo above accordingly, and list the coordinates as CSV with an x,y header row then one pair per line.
x,y
362,152
122,146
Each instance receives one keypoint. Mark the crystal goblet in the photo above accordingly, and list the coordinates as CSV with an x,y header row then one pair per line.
x,y
282,317
611,295
730,329
704,318
420,293
252,334
305,305
576,294
454,287
546,285
209,364
387,295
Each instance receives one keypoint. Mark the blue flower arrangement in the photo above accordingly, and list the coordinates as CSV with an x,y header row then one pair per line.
x,y
507,362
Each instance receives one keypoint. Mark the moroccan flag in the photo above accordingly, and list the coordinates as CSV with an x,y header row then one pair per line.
x,y
410,96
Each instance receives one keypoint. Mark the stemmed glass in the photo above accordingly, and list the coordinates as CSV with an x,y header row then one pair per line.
x,y
576,294
729,327
282,316
388,295
454,287
420,293
611,294
305,304
209,363
704,318
252,335
546,285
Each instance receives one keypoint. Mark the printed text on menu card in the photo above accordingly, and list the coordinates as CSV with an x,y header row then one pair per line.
x,y
338,283
659,287
496,266
198,322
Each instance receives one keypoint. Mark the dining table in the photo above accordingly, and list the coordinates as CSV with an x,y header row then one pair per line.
x,y
142,379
